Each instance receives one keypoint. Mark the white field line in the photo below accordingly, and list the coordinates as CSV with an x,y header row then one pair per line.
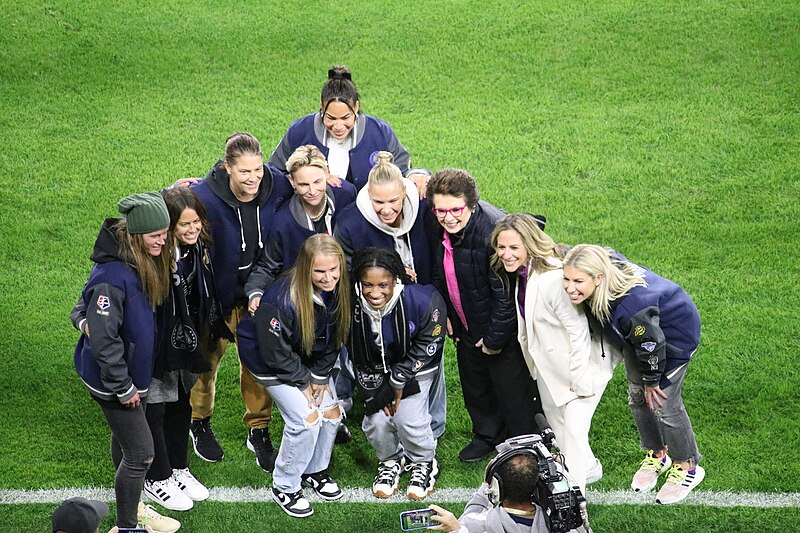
x,y
457,495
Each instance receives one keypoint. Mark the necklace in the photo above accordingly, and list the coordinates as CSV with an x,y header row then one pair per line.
x,y
318,216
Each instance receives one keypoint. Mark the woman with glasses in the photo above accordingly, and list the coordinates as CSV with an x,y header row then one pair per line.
x,y
499,393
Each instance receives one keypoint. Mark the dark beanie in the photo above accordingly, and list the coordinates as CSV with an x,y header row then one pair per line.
x,y
144,212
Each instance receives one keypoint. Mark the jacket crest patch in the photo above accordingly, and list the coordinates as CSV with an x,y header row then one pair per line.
x,y
649,346
639,330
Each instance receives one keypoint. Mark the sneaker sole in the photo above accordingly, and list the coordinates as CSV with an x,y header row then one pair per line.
x,y
200,455
291,513
383,495
154,497
700,475
416,498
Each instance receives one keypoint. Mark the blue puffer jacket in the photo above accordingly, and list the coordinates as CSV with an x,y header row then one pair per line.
x,y
659,322
224,217
372,136
118,360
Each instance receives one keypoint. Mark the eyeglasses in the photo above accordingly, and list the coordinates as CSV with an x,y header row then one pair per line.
x,y
455,211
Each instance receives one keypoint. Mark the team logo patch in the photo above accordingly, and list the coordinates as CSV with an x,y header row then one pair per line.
x,y
653,361
103,302
431,349
275,326
649,346
435,315
639,330
411,328
373,158
417,365
436,330
369,380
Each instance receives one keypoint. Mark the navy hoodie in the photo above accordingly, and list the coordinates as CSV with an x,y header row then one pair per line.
x,y
228,240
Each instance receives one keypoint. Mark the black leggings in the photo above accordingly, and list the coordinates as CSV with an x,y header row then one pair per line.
x,y
169,424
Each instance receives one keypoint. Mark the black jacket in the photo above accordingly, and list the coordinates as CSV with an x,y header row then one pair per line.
x,y
488,304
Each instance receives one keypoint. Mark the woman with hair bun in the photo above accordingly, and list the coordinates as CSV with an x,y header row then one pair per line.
x,y
658,326
348,138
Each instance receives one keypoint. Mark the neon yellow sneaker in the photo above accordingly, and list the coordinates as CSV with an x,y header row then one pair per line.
x,y
679,484
645,479
147,516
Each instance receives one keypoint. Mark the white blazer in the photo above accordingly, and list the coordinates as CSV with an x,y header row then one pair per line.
x,y
556,342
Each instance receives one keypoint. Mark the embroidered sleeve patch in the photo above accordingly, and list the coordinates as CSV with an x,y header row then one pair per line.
x,y
275,326
639,330
435,315
103,302
431,349
649,346
436,330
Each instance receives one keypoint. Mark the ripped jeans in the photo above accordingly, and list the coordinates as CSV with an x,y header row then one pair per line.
x,y
308,435
669,425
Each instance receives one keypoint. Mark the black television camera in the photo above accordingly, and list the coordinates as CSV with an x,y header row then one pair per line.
x,y
556,491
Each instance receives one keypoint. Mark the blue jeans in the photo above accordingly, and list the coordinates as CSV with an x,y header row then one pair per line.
x,y
305,446
407,433
668,427
132,452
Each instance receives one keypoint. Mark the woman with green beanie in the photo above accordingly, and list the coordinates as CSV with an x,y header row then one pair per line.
x,y
129,280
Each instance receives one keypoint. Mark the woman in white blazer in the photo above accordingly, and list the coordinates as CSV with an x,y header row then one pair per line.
x,y
555,338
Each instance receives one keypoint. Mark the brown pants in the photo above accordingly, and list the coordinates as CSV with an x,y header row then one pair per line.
x,y
257,402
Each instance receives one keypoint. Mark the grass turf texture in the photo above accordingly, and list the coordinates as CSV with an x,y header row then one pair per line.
x,y
668,130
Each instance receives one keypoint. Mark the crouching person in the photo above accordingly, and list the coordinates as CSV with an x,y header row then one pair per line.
x,y
290,347
396,344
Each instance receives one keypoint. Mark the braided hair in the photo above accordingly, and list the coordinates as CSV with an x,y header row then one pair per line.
x,y
372,257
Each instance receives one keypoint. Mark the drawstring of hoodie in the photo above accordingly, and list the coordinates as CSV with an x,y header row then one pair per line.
x,y
258,225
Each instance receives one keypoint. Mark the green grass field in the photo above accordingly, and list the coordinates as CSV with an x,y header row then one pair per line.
x,y
668,130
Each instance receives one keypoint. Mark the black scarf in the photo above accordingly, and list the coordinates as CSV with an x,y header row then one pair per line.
x,y
192,328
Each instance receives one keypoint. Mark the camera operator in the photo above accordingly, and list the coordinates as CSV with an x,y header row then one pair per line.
x,y
524,491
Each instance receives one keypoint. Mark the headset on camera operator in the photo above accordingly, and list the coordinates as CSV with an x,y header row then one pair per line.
x,y
525,490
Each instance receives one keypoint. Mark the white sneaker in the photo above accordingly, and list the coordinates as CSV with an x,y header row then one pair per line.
x,y
386,482
167,494
189,484
679,484
423,479
595,473
147,516
645,479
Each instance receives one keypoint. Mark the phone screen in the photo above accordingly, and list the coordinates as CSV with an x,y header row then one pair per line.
x,y
416,519
132,530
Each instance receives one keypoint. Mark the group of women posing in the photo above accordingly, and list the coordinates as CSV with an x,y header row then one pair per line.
x,y
363,270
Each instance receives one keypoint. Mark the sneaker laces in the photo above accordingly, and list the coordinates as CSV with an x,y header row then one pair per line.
x,y
651,462
420,473
387,474
147,511
262,441
676,475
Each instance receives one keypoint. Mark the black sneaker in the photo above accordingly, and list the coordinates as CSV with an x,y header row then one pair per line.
x,y
423,478
258,442
476,450
293,503
205,443
343,435
325,487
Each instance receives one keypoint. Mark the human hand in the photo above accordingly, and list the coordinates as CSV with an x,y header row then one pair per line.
x,y
252,305
484,349
420,179
318,391
653,396
334,181
136,401
185,182
411,274
447,520
391,409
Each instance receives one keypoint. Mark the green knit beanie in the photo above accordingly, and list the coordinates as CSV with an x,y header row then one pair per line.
x,y
144,212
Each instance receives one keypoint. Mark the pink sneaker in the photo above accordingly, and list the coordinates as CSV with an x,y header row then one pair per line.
x,y
645,479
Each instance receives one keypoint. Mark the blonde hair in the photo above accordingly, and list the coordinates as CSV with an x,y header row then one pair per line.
x,y
537,243
384,172
154,272
618,277
307,155
301,289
